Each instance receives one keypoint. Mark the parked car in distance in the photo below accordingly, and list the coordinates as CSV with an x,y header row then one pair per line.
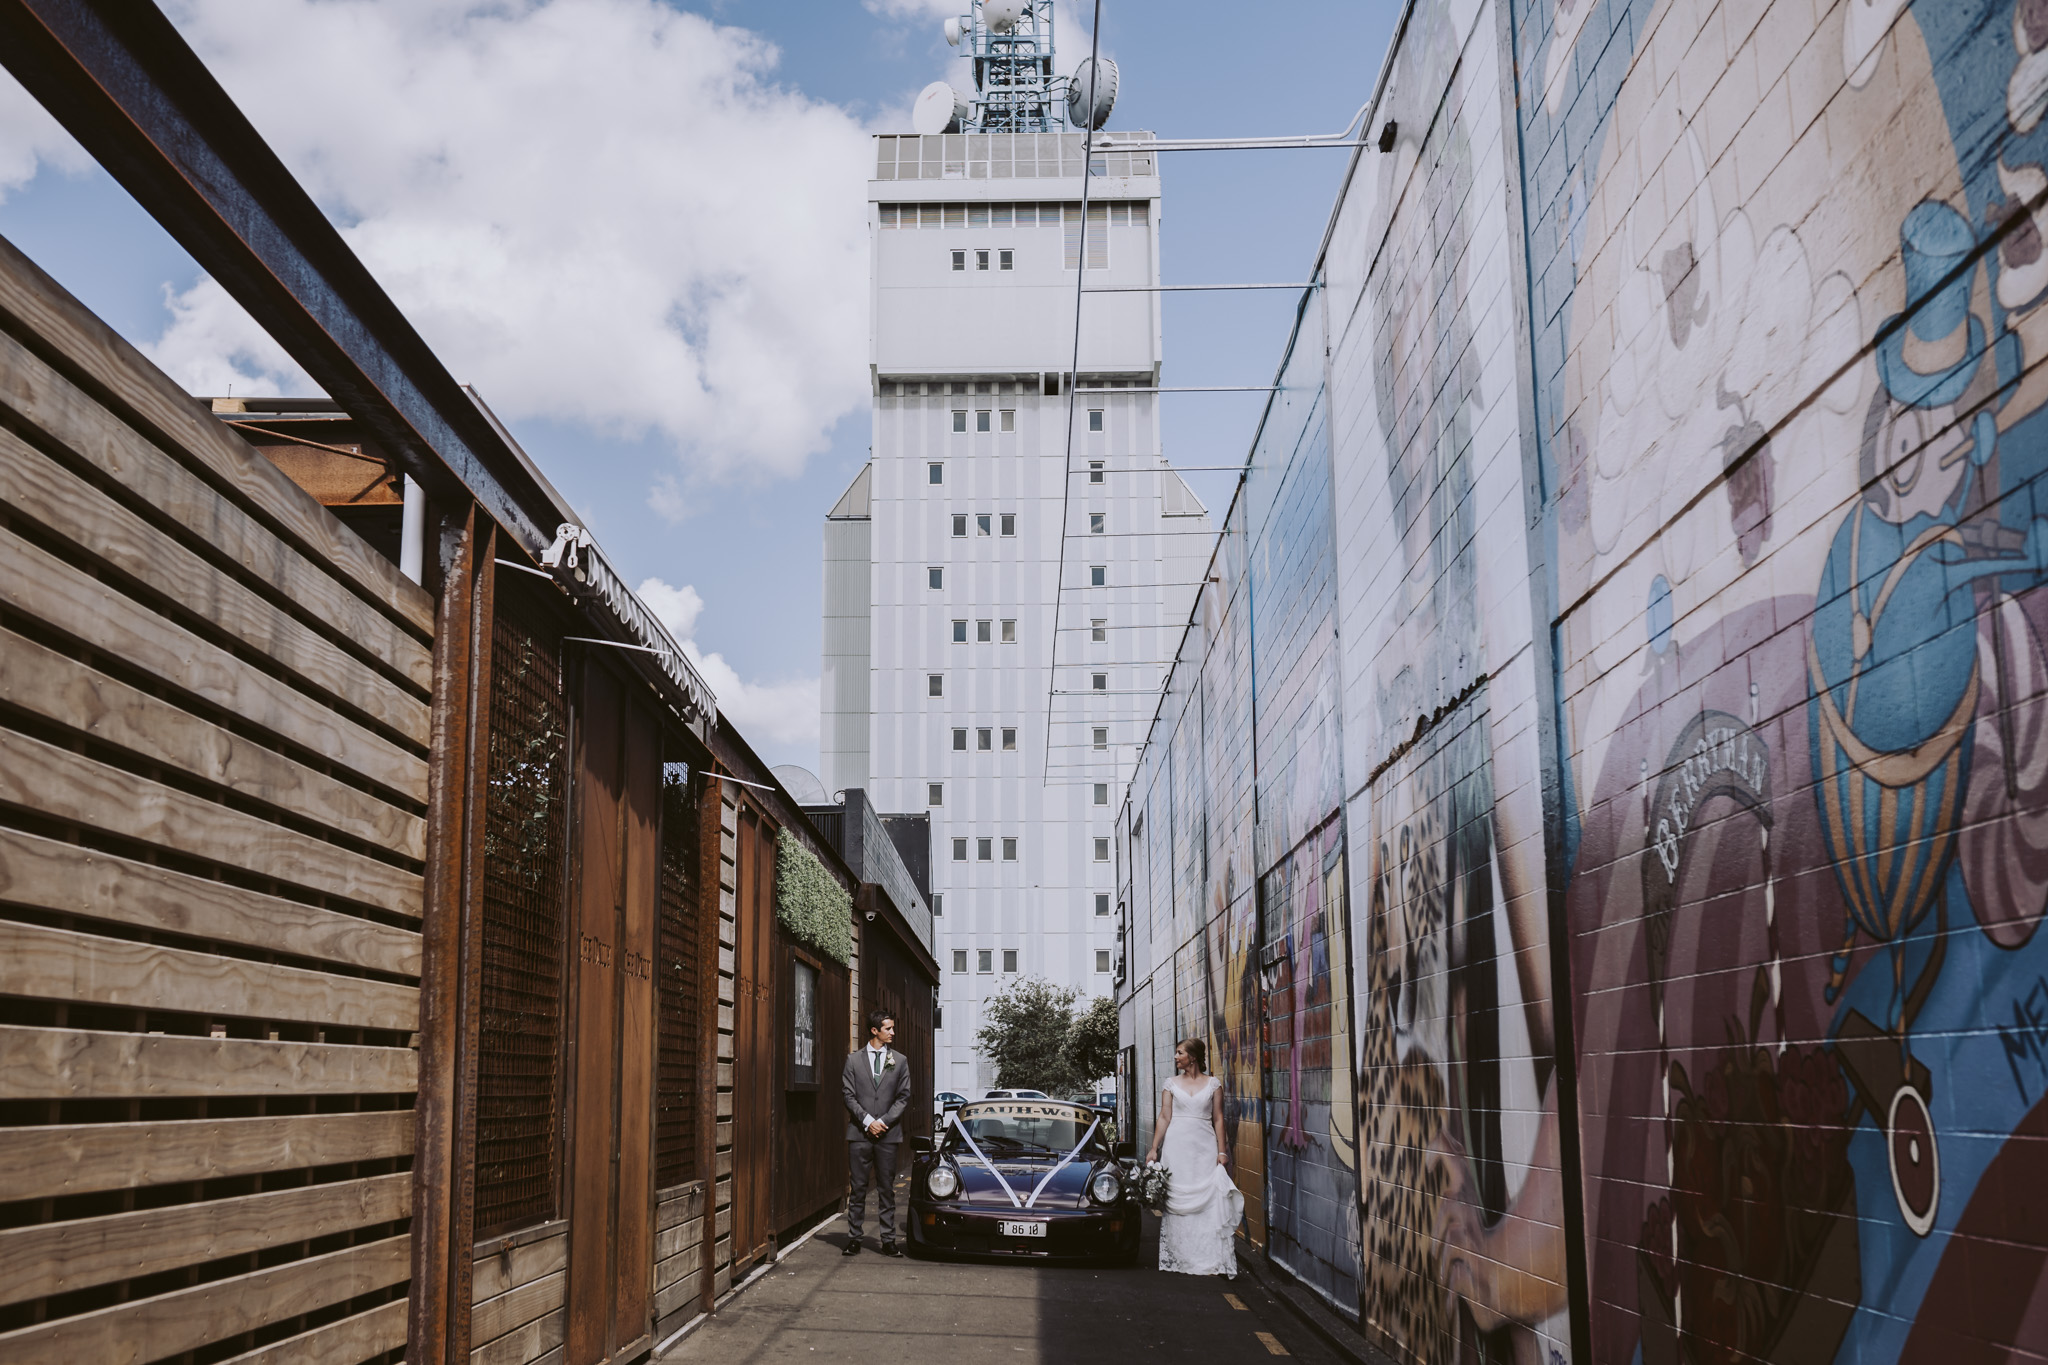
x,y
1016,1095
1025,1179
944,1100
1106,1099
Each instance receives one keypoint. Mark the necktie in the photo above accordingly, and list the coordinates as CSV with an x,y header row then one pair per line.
x,y
875,1063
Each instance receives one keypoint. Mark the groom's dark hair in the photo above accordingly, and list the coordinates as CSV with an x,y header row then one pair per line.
x,y
877,1018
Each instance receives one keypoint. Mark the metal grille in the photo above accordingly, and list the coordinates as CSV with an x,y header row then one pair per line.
x,y
679,958
520,1043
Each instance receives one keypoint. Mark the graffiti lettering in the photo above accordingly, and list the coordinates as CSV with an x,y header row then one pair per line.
x,y
2023,1041
1728,750
595,952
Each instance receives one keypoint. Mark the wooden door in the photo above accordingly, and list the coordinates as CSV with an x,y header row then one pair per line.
x,y
611,1111
754,1059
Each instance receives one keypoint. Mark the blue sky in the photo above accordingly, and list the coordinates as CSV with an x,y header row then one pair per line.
x,y
718,484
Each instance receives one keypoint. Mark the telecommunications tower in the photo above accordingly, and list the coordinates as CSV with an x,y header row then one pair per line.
x,y
1016,535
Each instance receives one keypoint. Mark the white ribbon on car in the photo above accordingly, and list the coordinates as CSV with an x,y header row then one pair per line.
x,y
954,1119
1063,1163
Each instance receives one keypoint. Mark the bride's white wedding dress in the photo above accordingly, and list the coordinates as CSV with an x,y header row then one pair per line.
x,y
1203,1204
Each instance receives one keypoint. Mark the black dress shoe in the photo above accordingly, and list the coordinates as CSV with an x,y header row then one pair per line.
x,y
889,1249
852,1247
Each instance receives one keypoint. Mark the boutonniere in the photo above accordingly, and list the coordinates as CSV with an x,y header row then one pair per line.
x,y
889,1062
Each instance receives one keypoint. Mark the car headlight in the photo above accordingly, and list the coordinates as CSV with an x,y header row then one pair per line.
x,y
943,1181
1105,1187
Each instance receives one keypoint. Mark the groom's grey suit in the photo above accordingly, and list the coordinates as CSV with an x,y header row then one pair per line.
x,y
883,1098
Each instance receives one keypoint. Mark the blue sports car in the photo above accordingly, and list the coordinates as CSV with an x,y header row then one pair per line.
x,y
1029,1179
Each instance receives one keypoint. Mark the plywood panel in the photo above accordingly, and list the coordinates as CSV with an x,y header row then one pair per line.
x,y
66,786
506,1270
537,1343
64,504
598,884
185,1319
47,875
633,1238
39,307
56,1258
502,1313
348,1342
59,964
58,688
52,1160
38,584
96,436
70,1064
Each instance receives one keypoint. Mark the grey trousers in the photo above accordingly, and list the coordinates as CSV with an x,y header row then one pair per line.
x,y
872,1163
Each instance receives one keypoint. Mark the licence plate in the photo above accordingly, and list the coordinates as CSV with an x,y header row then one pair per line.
x,y
1023,1229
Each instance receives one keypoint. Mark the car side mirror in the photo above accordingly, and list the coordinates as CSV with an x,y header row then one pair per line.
x,y
921,1145
1127,1151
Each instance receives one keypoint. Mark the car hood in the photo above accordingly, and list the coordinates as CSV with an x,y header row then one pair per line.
x,y
1066,1190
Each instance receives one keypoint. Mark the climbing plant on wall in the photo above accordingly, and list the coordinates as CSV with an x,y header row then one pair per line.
x,y
810,903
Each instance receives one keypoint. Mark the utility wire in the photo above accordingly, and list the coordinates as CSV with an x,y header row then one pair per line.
x,y
1080,278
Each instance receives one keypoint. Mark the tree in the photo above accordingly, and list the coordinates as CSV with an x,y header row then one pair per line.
x,y
1025,1032
1039,1041
1091,1042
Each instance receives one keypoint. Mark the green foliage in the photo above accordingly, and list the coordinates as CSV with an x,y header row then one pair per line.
x,y
809,901
1038,1041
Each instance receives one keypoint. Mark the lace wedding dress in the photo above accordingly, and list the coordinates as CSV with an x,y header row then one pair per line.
x,y
1203,1204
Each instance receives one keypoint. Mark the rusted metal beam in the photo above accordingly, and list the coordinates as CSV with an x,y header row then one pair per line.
x,y
123,82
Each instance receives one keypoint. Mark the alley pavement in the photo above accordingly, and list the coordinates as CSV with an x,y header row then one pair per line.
x,y
819,1305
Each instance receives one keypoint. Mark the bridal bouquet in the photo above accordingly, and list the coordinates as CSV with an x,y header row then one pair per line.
x,y
1152,1182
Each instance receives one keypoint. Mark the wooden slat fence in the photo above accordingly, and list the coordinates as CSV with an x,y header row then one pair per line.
x,y
213,788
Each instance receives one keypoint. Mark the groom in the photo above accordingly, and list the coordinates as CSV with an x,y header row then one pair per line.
x,y
876,1083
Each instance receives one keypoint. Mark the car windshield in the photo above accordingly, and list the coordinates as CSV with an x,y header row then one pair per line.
x,y
1030,1126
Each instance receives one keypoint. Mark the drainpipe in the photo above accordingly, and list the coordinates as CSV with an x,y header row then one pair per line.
x,y
412,535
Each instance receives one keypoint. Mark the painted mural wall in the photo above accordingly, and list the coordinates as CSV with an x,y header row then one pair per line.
x,y
1636,598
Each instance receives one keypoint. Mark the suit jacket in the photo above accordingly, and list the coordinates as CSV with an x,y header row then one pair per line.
x,y
885,1099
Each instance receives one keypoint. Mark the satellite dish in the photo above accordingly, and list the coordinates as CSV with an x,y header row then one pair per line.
x,y
1001,15
801,783
1090,97
939,109
953,33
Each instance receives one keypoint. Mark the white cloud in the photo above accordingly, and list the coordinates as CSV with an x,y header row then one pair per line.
x,y
600,211
782,712
30,138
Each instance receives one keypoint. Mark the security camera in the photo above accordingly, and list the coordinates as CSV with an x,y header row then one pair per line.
x,y
871,917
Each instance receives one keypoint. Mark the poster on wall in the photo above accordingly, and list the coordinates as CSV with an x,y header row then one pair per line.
x,y
803,1024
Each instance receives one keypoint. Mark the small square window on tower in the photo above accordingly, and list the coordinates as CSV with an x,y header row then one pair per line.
x,y
1102,736
1102,850
1009,850
935,473
1095,520
935,793
960,739
1101,794
959,850
981,632
1006,259
981,260
984,740
1101,903
1098,575
959,523
984,850
983,523
935,684
1094,471
1009,419
1009,523
935,577
984,960
1098,681
1009,632
1102,959
959,260
959,959
959,632
1098,629
1009,960
1009,737
1095,419
959,419
939,903
981,420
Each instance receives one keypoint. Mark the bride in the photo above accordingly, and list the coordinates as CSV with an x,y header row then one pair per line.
x,y
1203,1204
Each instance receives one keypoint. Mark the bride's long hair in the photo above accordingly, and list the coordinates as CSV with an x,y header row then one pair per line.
x,y
1198,1053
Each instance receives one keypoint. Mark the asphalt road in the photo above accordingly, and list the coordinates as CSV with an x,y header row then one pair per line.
x,y
818,1305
